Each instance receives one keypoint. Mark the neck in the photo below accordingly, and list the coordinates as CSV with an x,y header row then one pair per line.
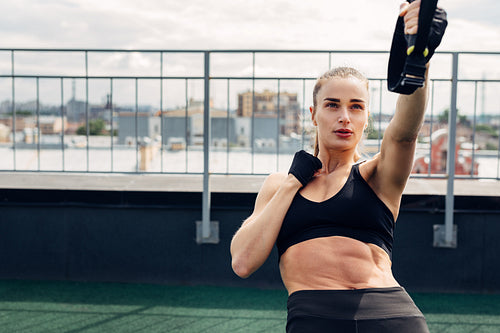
x,y
334,160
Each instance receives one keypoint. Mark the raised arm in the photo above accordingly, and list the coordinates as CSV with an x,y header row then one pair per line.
x,y
388,172
398,145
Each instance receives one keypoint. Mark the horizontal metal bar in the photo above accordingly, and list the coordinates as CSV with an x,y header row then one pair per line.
x,y
201,51
191,173
101,77
288,78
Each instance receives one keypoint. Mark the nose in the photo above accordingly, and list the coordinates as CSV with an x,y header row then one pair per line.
x,y
344,116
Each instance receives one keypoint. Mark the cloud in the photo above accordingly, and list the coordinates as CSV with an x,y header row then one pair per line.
x,y
218,24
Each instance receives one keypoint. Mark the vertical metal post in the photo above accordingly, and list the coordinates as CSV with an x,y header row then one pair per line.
x,y
450,163
379,114
228,123
447,237
474,131
13,111
186,124
430,130
39,132
278,128
137,158
161,113
252,136
304,112
112,112
87,121
209,229
206,149
62,122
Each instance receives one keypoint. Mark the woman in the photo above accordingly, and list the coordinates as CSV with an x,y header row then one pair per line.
x,y
332,217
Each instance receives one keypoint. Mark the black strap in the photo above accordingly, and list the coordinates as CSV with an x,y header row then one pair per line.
x,y
409,53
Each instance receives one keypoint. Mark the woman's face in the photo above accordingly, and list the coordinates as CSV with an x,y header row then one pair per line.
x,y
341,113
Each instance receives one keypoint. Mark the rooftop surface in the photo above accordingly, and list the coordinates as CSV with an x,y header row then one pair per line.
x,y
34,306
218,183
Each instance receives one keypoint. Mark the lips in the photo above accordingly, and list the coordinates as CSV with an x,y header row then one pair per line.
x,y
343,132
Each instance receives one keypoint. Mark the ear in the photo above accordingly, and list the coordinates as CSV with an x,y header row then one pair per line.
x,y
313,114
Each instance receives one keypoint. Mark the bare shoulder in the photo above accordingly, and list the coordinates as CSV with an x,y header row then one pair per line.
x,y
272,183
383,188
268,189
368,169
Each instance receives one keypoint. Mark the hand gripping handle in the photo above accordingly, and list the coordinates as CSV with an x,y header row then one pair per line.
x,y
408,58
418,42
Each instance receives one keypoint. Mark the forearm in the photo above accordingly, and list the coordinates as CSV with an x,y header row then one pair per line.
x,y
410,110
254,241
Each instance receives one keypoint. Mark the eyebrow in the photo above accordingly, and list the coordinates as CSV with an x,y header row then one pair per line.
x,y
354,100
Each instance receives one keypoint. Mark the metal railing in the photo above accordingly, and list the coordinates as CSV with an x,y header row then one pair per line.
x,y
95,70
151,94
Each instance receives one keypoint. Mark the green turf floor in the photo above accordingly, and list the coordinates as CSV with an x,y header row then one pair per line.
x,y
27,306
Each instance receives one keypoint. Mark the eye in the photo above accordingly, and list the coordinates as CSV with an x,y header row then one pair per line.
x,y
331,105
357,107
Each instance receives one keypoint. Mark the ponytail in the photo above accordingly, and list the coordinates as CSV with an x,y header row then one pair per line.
x,y
316,145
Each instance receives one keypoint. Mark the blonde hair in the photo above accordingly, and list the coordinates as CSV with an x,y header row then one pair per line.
x,y
335,73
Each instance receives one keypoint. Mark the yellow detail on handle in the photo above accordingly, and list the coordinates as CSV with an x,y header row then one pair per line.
x,y
411,48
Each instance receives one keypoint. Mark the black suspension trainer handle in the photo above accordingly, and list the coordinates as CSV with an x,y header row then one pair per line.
x,y
418,42
410,53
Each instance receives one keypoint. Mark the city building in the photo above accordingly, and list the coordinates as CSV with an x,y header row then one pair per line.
x,y
270,104
4,133
52,124
140,126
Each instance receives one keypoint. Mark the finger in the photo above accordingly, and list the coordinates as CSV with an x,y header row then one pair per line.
x,y
411,26
415,4
411,18
403,8
412,13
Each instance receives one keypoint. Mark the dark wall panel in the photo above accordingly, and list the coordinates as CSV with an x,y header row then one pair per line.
x,y
150,237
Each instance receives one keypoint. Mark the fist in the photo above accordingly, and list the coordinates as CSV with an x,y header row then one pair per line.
x,y
410,11
304,166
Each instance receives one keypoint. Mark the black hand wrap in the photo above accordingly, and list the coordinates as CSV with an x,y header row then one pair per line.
x,y
304,165
410,53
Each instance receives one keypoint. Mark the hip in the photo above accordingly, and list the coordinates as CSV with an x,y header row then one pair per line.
x,y
359,310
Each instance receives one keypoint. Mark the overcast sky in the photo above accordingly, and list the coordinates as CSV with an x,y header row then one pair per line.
x,y
233,24
474,25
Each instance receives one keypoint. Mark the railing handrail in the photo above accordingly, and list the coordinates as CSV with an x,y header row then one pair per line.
x,y
232,50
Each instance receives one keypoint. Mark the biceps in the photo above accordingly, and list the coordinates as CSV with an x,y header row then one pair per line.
x,y
396,161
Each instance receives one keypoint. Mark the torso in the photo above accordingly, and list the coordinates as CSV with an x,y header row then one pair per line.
x,y
334,262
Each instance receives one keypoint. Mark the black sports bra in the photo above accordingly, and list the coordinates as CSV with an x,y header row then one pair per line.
x,y
355,212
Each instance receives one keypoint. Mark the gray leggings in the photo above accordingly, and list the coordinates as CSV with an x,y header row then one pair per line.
x,y
380,310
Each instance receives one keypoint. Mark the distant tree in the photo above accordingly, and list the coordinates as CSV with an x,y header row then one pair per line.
x,y
488,129
374,135
461,119
96,127
20,113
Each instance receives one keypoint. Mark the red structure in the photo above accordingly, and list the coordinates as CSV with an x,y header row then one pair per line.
x,y
439,153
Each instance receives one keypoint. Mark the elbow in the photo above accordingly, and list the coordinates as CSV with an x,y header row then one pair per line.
x,y
240,268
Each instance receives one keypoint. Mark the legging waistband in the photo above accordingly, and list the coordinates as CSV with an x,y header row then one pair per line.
x,y
370,303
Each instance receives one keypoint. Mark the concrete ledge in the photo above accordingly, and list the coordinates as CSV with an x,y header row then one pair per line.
x,y
219,183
